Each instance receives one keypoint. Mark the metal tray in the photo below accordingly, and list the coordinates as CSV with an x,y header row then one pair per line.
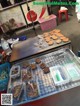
x,y
46,85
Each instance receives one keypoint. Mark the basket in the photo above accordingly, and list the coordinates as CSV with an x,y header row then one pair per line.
x,y
5,69
48,23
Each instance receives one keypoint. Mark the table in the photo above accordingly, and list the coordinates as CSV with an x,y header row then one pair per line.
x,y
26,49
67,98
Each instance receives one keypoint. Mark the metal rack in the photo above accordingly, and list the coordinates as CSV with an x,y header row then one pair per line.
x,y
46,85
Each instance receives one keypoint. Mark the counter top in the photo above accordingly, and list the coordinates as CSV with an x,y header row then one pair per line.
x,y
27,48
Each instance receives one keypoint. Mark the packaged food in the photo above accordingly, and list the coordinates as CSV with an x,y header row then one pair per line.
x,y
26,75
59,75
17,91
32,89
15,71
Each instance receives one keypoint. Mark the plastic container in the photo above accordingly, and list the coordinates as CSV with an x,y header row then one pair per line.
x,y
4,76
48,23
15,71
32,89
22,38
73,71
26,75
59,75
18,92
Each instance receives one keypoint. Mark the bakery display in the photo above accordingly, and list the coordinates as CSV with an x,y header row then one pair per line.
x,y
46,70
38,60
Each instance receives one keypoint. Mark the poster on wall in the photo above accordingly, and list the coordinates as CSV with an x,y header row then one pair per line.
x,y
36,11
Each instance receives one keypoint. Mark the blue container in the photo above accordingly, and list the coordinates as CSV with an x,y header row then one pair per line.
x,y
4,73
22,38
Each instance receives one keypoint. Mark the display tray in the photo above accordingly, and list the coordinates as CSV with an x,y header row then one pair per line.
x,y
47,75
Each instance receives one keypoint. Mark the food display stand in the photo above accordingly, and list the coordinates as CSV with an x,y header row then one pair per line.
x,y
63,74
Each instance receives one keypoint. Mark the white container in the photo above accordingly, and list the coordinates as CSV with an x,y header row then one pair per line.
x,y
59,75
73,71
13,76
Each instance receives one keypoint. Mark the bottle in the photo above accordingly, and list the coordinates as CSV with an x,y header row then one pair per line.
x,y
5,46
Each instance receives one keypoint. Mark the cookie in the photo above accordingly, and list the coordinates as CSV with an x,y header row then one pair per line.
x,y
54,37
59,34
33,66
46,70
51,32
58,41
42,65
38,60
47,39
50,42
62,37
57,30
65,40
46,36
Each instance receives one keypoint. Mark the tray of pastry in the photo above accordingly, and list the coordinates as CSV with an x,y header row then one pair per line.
x,y
54,37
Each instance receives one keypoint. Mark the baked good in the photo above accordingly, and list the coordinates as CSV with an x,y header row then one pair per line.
x,y
51,32
62,37
33,66
46,35
56,30
42,65
38,60
59,34
47,39
65,40
50,42
54,37
58,41
46,70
